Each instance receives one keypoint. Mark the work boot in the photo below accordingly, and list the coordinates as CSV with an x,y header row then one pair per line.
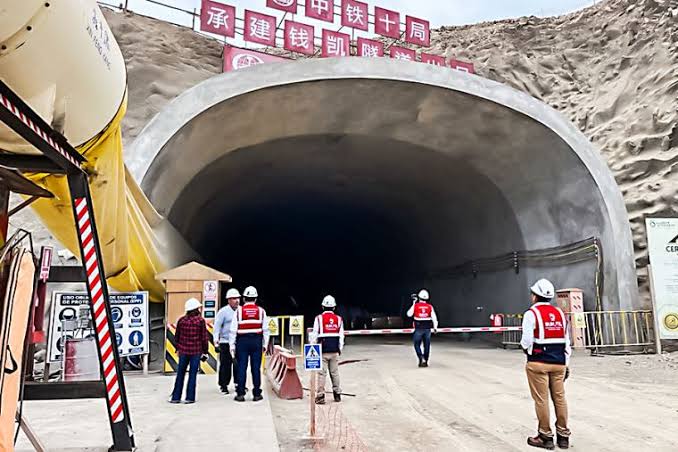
x,y
563,441
224,390
541,441
239,398
320,399
425,364
258,397
337,397
421,362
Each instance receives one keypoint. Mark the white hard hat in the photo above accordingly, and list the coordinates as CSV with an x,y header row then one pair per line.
x,y
250,292
544,288
191,304
423,295
232,293
329,302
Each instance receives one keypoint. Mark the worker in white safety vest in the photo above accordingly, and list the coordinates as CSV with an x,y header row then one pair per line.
x,y
425,320
328,330
546,342
248,341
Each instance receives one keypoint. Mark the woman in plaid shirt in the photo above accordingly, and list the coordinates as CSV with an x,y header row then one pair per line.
x,y
192,345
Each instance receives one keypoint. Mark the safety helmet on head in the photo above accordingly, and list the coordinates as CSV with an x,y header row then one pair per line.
x,y
543,288
250,292
329,302
232,293
423,295
191,304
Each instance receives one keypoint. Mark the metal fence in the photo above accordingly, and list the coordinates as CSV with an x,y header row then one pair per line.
x,y
603,331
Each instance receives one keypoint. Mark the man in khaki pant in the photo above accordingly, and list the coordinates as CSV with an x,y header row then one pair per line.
x,y
546,342
328,330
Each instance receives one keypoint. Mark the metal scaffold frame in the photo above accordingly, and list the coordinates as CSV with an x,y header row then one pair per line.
x,y
60,157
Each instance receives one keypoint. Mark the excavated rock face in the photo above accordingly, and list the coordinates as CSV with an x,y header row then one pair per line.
x,y
611,69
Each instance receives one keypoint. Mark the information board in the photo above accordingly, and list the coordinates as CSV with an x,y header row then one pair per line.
x,y
662,245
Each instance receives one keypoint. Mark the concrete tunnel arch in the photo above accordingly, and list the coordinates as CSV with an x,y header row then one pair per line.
x,y
356,176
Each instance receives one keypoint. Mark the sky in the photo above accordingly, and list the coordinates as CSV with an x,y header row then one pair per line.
x,y
438,12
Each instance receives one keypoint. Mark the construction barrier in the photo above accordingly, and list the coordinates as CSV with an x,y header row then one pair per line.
x,y
172,356
471,329
282,373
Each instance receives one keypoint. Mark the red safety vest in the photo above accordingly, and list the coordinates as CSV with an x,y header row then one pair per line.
x,y
550,324
330,324
422,311
250,319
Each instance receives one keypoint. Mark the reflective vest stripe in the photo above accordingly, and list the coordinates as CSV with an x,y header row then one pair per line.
x,y
540,330
250,325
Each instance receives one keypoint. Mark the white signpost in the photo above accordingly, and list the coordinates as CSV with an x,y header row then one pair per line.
x,y
662,245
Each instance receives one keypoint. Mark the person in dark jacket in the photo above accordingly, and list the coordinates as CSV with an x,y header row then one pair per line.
x,y
192,345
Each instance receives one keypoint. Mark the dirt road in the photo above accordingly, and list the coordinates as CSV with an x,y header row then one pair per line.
x,y
475,398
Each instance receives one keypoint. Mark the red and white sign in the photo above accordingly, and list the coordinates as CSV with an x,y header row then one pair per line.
x,y
370,48
299,37
217,18
235,58
45,262
289,6
417,31
259,28
386,22
335,44
402,53
435,60
320,10
462,66
354,14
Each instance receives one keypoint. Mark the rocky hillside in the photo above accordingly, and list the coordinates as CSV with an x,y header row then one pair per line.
x,y
612,69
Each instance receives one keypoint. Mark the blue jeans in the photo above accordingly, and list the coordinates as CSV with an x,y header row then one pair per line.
x,y
248,347
184,361
419,336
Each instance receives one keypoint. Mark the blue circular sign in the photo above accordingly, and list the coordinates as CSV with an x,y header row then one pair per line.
x,y
136,338
118,339
136,311
116,314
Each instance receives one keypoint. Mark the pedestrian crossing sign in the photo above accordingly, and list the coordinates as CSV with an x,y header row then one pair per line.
x,y
313,356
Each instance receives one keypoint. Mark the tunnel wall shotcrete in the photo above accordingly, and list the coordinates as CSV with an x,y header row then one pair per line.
x,y
357,176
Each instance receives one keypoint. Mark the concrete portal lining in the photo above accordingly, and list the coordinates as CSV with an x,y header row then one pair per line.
x,y
553,179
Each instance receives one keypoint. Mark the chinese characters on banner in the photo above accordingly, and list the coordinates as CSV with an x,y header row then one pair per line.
x,y
217,18
220,18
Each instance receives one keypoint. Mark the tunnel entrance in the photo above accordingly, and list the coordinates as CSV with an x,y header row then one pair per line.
x,y
339,177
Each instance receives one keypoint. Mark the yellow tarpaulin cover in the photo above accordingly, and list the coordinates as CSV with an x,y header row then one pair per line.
x,y
124,217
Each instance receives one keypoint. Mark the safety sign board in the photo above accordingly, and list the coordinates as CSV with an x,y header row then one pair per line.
x,y
209,290
296,325
273,326
313,356
662,245
129,312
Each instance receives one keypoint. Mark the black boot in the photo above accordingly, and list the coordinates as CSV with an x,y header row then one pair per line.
x,y
320,399
541,441
421,362
425,363
239,398
337,397
563,441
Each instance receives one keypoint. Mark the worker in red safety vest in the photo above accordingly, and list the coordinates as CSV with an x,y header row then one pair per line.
x,y
248,340
328,330
546,342
425,319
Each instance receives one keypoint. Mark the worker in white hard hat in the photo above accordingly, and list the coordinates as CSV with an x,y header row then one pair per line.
x,y
222,331
328,330
425,320
192,345
546,342
248,340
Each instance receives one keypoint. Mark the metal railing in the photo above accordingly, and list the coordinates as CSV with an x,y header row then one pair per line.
x,y
603,331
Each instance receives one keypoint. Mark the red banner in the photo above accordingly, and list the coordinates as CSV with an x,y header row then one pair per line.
x,y
259,28
370,48
235,58
402,53
299,37
354,14
386,23
435,60
417,31
335,44
289,6
320,10
462,66
217,18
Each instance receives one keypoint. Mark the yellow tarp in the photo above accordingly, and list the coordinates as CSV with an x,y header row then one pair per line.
x,y
123,215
